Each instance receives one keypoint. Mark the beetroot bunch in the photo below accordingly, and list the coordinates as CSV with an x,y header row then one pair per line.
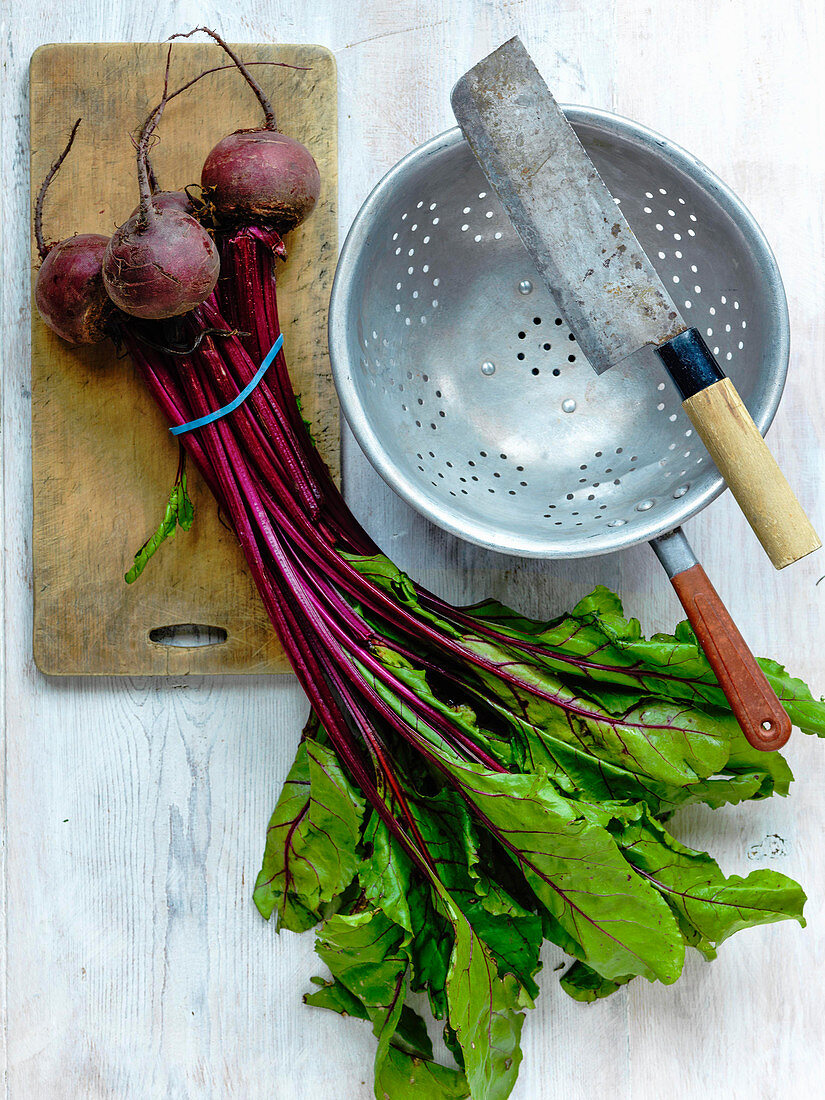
x,y
163,262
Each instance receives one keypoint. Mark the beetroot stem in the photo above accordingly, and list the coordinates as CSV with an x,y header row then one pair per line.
x,y
269,457
321,612
269,114
248,299
147,211
243,369
234,65
238,487
42,247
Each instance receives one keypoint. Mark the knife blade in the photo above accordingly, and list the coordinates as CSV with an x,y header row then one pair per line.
x,y
604,283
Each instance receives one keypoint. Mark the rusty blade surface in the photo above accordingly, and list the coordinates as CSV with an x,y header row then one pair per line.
x,y
586,253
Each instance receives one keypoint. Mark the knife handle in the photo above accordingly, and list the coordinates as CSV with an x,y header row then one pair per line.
x,y
753,701
736,446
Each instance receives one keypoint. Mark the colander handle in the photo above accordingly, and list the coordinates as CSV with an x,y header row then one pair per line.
x,y
753,701
735,444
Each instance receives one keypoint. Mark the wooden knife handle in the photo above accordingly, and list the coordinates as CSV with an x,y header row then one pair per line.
x,y
744,461
752,699
739,451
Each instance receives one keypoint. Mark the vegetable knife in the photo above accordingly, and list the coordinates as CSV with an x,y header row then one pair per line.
x,y
604,283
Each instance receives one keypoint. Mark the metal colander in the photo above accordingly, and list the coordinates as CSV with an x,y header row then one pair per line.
x,y
468,391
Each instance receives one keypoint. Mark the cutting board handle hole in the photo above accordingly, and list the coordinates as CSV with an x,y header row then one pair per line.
x,y
188,635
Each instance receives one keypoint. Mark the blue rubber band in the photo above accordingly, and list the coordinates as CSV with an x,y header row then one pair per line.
x,y
239,400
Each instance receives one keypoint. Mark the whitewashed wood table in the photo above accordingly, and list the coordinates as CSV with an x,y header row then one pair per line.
x,y
134,810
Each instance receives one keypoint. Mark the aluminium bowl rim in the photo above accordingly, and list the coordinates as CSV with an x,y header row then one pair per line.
x,y
499,539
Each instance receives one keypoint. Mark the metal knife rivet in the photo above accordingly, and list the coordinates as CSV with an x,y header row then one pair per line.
x,y
525,286
488,368
644,505
680,492
616,522
568,405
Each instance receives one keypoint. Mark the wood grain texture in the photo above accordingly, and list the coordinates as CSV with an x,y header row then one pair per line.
x,y
761,490
137,967
103,460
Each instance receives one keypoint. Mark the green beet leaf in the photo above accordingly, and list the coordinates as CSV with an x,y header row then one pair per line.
x,y
579,769
407,1077
771,767
409,1071
337,998
410,1034
597,642
804,711
657,738
512,933
692,883
390,884
586,985
452,1044
431,948
180,512
312,839
611,917
368,955
486,1010
385,873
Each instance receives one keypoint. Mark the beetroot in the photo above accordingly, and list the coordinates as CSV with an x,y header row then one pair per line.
x,y
69,291
161,262
260,176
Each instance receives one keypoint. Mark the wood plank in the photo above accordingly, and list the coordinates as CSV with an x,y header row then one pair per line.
x,y
103,461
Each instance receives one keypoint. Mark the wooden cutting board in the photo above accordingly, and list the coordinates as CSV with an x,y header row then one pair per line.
x,y
102,457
